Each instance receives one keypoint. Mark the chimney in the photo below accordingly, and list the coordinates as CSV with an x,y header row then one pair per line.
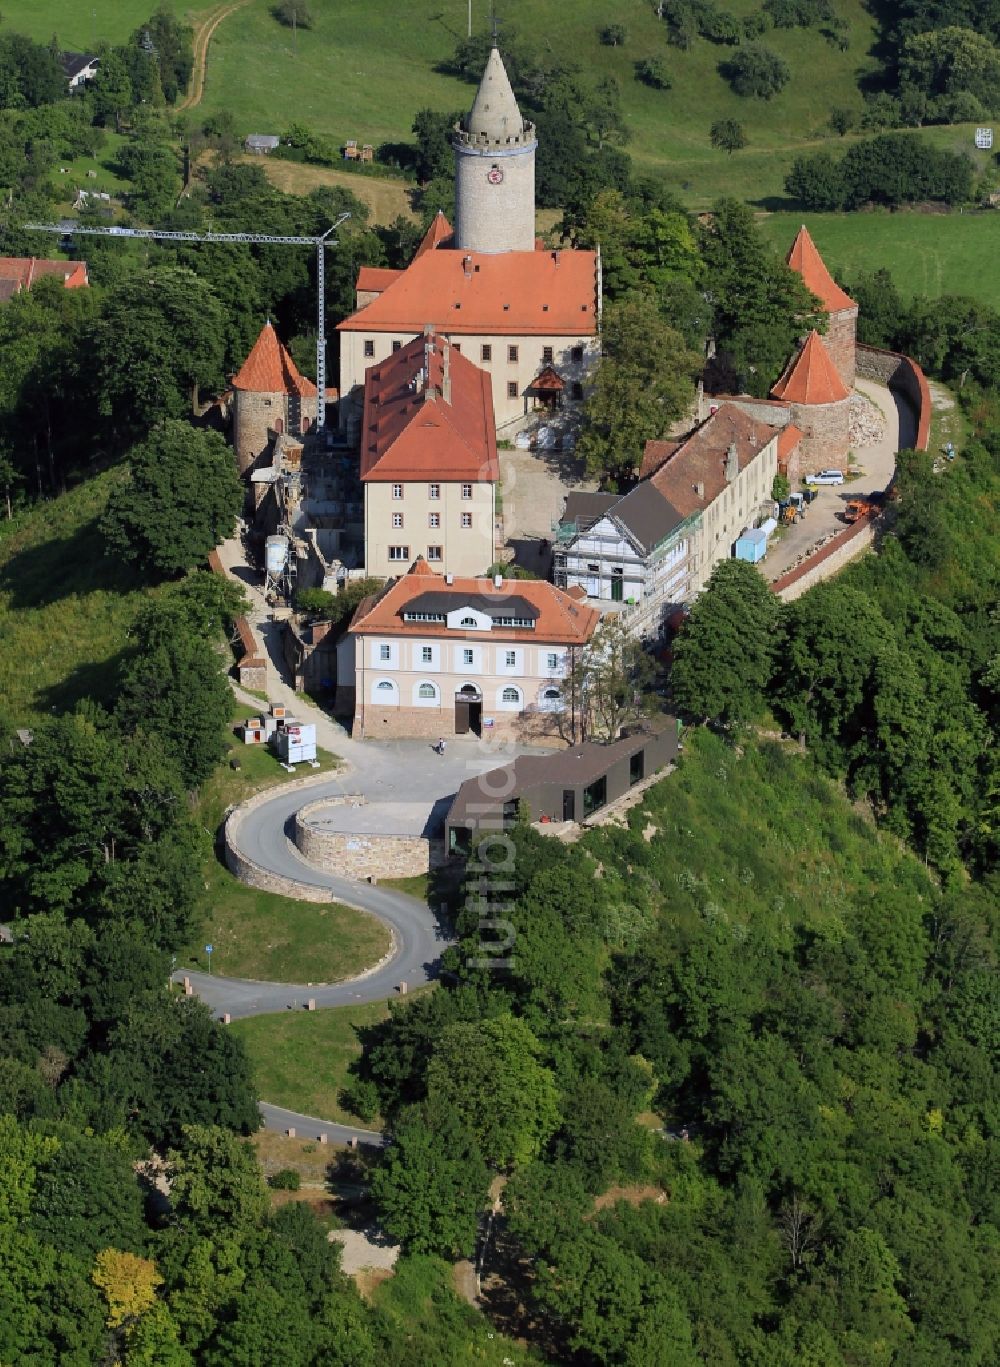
x,y
699,490
428,329
467,266
732,462
319,630
446,374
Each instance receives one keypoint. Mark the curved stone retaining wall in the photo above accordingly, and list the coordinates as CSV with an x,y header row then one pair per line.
x,y
251,873
361,855
838,551
900,372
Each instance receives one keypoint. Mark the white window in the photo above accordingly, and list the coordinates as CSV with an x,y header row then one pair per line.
x,y
385,652
510,658
397,519
512,695
385,693
466,490
435,552
427,655
426,692
469,622
434,519
385,686
434,490
468,657
466,519
552,695
397,491
509,699
552,660
399,552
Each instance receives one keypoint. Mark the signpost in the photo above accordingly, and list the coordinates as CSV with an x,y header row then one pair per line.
x,y
984,139
208,951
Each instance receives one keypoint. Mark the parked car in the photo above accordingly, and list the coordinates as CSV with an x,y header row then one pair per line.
x,y
826,477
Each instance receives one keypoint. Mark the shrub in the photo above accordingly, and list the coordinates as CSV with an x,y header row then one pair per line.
x,y
285,1179
614,35
841,120
652,71
756,72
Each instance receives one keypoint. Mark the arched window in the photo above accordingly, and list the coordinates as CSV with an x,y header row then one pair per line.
x,y
551,695
384,686
385,692
511,695
426,690
469,622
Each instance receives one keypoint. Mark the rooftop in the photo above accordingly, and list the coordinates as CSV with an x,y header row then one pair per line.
x,y
559,619
494,119
699,461
811,377
428,415
805,260
21,272
546,293
269,369
439,234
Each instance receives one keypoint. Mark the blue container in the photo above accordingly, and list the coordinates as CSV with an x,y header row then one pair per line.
x,y
752,545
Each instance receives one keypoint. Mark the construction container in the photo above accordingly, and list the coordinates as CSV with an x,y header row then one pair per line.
x,y
295,743
752,545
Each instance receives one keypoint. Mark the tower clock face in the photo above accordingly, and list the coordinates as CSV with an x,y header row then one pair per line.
x,y
494,175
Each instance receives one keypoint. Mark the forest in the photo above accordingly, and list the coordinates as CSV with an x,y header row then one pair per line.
x,y
734,1098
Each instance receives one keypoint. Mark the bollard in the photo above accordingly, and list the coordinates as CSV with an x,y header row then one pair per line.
x,y
403,989
311,1004
322,1137
290,1132
188,990
187,984
354,1141
226,1018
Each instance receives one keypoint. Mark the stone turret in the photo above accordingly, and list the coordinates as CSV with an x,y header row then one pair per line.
x,y
494,169
840,308
270,396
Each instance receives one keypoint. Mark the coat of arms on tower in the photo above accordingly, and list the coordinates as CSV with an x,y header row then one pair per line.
x,y
494,175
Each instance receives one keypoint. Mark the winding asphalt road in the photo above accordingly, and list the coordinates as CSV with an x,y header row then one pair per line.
x,y
386,773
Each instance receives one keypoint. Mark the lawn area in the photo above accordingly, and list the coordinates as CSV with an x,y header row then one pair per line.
x,y
65,610
929,254
300,1058
260,935
80,25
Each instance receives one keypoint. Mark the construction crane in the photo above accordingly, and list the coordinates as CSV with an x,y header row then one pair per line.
x,y
320,245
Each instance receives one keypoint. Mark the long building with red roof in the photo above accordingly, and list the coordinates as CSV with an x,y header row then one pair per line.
x,y
19,273
429,460
509,305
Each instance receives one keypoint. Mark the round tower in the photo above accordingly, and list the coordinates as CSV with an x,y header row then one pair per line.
x,y
494,170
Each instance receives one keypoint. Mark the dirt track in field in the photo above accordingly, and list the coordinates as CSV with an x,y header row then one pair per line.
x,y
202,39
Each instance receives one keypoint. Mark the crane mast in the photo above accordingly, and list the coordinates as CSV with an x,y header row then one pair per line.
x,y
320,245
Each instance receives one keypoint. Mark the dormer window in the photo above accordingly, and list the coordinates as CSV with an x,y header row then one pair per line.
x,y
468,622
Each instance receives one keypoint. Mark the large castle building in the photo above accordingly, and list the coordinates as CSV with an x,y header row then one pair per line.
x,y
527,315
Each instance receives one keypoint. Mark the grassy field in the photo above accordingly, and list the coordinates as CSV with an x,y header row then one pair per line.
x,y
926,253
301,1058
65,610
80,25
387,199
261,935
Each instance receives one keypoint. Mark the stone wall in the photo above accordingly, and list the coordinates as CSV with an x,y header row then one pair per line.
x,y
900,372
840,341
256,419
428,723
771,411
363,856
826,434
839,551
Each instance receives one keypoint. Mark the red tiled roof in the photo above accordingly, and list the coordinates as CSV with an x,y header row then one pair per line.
x,y
548,381
811,377
701,458
561,619
439,234
422,421
804,258
23,271
377,278
788,440
269,369
510,293
654,454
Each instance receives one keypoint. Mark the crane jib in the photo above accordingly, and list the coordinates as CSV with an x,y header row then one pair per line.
x,y
251,239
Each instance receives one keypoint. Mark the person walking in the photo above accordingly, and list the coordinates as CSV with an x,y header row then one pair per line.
x,y
440,746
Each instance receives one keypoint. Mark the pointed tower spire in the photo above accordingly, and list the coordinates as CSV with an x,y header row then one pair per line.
x,y
805,260
811,377
494,169
494,116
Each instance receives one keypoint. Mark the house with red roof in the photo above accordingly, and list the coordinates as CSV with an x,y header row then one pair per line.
x,y
528,316
270,396
442,655
428,459
18,273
